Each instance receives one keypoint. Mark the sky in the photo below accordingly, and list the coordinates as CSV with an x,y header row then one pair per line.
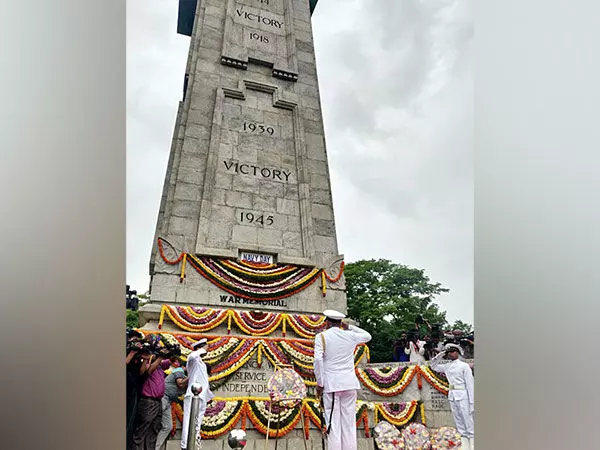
x,y
396,88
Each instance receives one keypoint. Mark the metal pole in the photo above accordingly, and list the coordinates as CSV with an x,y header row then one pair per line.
x,y
195,408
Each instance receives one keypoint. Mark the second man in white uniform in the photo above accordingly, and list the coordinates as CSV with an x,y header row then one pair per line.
x,y
197,373
336,378
460,394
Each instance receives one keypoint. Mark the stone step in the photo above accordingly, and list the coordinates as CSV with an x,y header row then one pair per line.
x,y
281,444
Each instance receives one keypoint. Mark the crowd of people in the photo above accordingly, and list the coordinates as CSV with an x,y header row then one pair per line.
x,y
423,343
156,377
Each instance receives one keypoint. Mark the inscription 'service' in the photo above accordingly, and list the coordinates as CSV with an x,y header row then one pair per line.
x,y
250,380
252,17
264,172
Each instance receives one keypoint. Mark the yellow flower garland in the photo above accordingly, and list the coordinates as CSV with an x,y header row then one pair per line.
x,y
237,409
282,320
393,390
397,420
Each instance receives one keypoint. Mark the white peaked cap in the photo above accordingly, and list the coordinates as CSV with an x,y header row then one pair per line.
x,y
240,434
199,343
454,347
335,315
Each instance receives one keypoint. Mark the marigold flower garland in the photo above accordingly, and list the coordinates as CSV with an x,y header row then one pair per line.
x,y
396,413
249,280
253,282
227,354
253,323
435,379
387,381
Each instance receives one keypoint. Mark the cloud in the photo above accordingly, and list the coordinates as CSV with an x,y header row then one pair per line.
x,y
397,95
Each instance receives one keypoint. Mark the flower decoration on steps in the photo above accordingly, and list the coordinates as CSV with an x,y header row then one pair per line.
x,y
251,281
223,414
416,437
388,437
446,438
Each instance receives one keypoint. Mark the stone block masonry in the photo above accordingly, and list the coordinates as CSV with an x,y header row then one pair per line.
x,y
248,167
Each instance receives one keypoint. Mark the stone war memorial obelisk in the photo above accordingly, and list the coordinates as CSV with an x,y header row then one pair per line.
x,y
245,251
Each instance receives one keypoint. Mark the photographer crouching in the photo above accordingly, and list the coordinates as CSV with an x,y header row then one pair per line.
x,y
155,359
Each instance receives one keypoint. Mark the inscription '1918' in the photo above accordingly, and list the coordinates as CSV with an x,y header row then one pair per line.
x,y
258,18
259,37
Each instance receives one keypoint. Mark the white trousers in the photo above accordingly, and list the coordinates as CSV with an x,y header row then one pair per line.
x,y
187,406
461,411
342,434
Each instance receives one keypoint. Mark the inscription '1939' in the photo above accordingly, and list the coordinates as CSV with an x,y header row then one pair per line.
x,y
258,128
258,18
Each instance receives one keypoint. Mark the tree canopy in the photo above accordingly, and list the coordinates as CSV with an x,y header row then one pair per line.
x,y
386,298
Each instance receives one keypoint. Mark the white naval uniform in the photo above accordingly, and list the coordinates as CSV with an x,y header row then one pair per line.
x,y
197,373
334,371
460,395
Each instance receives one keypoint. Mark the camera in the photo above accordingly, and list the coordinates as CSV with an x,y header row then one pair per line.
x,y
155,346
134,346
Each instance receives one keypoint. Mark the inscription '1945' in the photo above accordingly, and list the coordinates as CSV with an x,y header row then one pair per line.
x,y
258,18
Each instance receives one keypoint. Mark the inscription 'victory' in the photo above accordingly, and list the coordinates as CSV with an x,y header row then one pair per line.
x,y
258,18
264,172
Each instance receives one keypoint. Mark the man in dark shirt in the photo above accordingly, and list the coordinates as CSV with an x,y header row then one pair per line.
x,y
175,386
133,364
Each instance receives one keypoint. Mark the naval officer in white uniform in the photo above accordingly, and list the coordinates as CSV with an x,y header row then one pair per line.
x,y
460,394
197,373
336,378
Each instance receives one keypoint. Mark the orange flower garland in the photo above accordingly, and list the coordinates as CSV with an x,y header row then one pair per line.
x,y
224,413
398,418
200,320
339,275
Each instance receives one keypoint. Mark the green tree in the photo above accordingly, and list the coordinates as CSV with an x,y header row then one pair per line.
x,y
385,298
462,326
132,319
